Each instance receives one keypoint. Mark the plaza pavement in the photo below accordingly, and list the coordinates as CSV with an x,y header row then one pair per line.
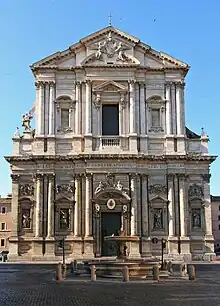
x,y
34,284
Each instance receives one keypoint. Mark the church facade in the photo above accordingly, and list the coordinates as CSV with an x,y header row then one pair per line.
x,y
110,151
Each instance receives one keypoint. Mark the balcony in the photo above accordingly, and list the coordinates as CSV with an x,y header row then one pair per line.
x,y
110,141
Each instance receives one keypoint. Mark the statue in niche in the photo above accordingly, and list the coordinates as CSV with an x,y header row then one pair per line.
x,y
158,218
26,122
196,218
64,218
26,220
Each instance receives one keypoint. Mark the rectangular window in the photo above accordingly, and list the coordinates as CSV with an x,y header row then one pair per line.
x,y
110,120
218,218
2,242
3,210
155,117
65,122
219,226
219,208
3,226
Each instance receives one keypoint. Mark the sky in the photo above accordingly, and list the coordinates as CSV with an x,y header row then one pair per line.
x,y
33,29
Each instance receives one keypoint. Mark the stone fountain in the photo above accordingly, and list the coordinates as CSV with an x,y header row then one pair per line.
x,y
138,267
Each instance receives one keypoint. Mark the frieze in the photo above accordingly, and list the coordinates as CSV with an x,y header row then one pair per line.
x,y
206,178
65,188
157,189
26,190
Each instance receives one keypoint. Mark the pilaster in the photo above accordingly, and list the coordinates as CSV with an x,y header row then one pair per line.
x,y
39,182
132,116
78,182
88,118
51,108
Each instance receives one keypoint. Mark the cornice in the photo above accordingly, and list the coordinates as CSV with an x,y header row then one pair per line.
x,y
83,157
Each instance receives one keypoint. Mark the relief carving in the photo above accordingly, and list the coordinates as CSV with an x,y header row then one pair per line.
x,y
110,183
26,190
65,188
157,189
195,191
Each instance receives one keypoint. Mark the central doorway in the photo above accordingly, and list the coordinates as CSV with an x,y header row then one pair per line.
x,y
110,224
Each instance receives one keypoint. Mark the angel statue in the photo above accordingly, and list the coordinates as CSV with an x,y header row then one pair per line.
x,y
26,122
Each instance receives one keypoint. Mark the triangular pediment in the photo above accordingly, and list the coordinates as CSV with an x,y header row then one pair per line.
x,y
109,47
103,86
158,198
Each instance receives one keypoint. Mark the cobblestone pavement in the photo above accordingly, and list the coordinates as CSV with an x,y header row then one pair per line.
x,y
34,285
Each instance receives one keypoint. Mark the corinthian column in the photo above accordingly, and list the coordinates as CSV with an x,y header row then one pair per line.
x,y
132,107
88,213
171,205
178,109
39,178
133,205
50,215
14,204
40,109
207,205
88,108
142,108
145,216
77,204
168,110
51,108
78,108
182,201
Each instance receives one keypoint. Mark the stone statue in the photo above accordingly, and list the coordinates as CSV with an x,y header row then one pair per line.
x,y
119,186
26,220
26,122
121,54
158,222
17,132
99,51
100,187
64,219
196,218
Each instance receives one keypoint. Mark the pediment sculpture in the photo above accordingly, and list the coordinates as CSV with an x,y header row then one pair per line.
x,y
110,49
195,191
110,183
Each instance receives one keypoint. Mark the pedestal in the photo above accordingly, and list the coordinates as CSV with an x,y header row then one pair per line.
x,y
133,143
185,248
88,143
88,247
146,247
134,249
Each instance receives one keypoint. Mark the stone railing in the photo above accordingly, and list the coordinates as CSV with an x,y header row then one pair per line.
x,y
110,141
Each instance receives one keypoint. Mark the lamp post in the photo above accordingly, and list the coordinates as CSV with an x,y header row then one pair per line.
x,y
163,246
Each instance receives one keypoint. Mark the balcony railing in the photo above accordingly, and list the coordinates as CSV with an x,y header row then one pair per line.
x,y
110,141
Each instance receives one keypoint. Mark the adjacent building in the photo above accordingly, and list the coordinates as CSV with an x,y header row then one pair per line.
x,y
110,151
216,221
5,222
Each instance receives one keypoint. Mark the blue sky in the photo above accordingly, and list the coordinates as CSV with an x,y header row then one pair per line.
x,y
33,29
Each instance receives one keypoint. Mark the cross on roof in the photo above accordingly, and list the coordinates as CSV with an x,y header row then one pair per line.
x,y
110,19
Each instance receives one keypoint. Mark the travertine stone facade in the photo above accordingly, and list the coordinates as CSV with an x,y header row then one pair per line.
x,y
70,176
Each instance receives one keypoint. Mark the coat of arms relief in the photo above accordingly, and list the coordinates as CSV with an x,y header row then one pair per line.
x,y
111,49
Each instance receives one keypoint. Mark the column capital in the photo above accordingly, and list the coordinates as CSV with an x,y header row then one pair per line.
x,y
15,177
38,176
131,81
206,177
133,176
52,84
88,82
77,176
170,176
182,176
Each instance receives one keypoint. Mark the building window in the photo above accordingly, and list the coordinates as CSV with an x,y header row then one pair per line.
x,y
65,118
219,208
3,226
219,226
155,117
218,218
3,210
2,242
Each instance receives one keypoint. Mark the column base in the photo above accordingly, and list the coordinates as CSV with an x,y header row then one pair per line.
x,y
146,247
134,248
88,143
88,247
173,246
133,143
185,248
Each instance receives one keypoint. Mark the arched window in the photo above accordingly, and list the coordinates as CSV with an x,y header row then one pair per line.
x,y
3,210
